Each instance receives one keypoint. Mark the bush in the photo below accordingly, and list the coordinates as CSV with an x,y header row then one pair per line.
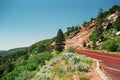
x,y
46,76
110,45
54,61
71,49
45,72
63,69
74,63
93,36
83,66
26,75
109,34
66,56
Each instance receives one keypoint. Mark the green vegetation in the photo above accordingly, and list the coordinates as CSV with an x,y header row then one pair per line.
x,y
71,49
23,69
59,41
41,46
2,53
110,41
116,25
112,45
23,63
93,36
99,29
68,62
72,30
113,9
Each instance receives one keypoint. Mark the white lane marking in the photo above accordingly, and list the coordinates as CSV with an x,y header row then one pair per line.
x,y
103,76
113,69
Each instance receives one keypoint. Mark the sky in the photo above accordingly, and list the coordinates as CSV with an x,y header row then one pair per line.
x,y
24,22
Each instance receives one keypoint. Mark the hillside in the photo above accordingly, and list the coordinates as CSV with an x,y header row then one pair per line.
x,y
88,36
81,37
3,52
76,67
41,61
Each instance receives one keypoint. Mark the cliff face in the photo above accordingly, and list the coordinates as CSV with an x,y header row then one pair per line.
x,y
81,37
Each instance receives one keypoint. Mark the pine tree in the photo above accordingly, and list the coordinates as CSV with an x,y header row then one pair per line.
x,y
59,42
99,28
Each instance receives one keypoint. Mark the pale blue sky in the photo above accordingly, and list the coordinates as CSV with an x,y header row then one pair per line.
x,y
24,22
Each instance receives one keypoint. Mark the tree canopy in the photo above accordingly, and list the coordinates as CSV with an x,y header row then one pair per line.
x,y
59,41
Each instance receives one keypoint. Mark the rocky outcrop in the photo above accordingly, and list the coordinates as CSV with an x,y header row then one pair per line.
x,y
81,37
118,33
106,25
114,16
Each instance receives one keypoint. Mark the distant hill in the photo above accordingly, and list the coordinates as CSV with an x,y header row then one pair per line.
x,y
3,52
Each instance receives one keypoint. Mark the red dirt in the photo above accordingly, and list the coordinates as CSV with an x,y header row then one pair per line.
x,y
110,63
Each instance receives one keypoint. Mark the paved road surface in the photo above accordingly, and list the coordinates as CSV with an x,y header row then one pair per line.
x,y
110,64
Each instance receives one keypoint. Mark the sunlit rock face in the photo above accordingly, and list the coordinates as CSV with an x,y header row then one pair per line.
x,y
80,38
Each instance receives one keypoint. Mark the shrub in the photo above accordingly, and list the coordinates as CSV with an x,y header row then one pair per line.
x,y
63,69
71,61
93,36
109,34
83,66
66,56
26,75
71,49
54,61
74,63
46,68
45,76
110,45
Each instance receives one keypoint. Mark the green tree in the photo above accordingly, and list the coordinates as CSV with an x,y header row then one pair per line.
x,y
42,48
8,67
59,42
68,31
97,34
114,9
85,23
99,28
117,24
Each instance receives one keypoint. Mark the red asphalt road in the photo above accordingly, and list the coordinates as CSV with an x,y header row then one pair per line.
x,y
110,63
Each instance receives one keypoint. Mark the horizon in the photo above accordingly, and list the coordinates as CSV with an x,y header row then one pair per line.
x,y
24,23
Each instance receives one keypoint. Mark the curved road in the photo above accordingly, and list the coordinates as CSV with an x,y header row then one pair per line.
x,y
110,64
